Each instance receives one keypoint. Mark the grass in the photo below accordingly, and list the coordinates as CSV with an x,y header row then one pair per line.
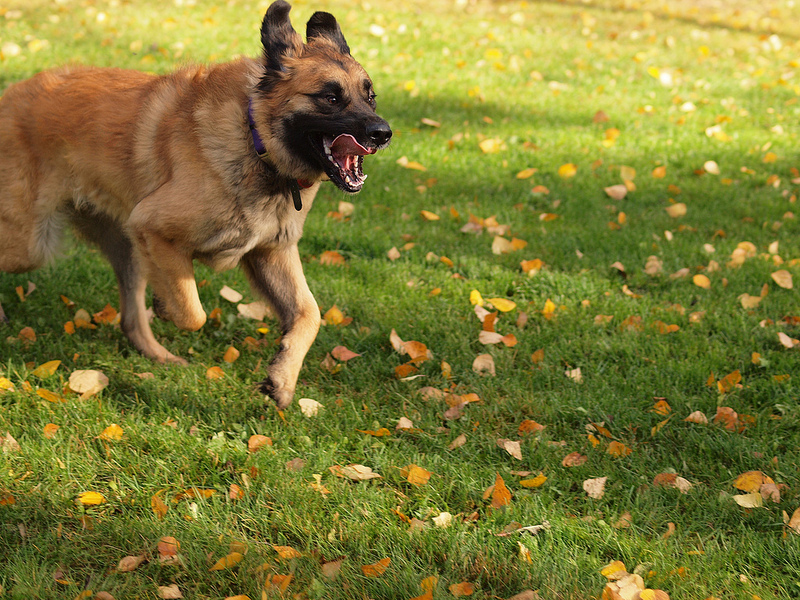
x,y
533,76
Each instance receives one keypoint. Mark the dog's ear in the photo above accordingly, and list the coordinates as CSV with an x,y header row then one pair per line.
x,y
278,36
324,25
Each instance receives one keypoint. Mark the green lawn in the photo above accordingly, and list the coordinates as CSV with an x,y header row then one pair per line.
x,y
696,105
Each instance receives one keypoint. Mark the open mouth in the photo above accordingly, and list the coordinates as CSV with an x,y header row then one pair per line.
x,y
345,158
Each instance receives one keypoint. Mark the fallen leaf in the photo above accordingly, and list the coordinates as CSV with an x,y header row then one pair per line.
x,y
50,430
574,374
750,481
595,488
753,500
613,571
309,407
787,341
616,192
416,475
676,210
230,294
567,170
330,569
257,442
256,311
465,588
512,447
354,472
527,173
529,426
701,281
503,304
783,278
484,365
46,369
107,316
231,354
227,561
112,433
618,449
501,496
574,459
170,592
214,373
87,382
458,442
331,258
286,552
536,482
343,354
158,506
376,569
697,417
429,216
130,563
91,498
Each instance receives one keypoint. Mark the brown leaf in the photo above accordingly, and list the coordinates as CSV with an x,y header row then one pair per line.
x,y
354,472
130,563
484,365
330,569
231,354
458,442
331,258
87,382
465,588
529,426
574,459
169,592
257,442
618,449
342,354
157,504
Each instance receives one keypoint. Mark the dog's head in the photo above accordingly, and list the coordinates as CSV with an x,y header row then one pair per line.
x,y
314,105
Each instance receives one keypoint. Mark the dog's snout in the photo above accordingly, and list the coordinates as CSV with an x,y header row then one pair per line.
x,y
379,133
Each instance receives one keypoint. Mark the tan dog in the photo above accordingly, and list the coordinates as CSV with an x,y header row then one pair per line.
x,y
219,164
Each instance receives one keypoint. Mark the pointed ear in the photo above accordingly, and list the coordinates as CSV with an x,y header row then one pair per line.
x,y
324,25
278,36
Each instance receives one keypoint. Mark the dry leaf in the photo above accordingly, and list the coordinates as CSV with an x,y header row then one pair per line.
x,y
465,588
331,258
618,449
50,430
376,569
230,294
574,459
257,311
567,170
697,417
130,563
157,504
676,210
787,341
536,482
227,561
87,382
595,488
445,519
286,552
484,365
574,374
330,569
753,500
701,281
503,304
354,472
46,369
214,373
416,475
257,442
501,496
783,278
458,442
341,353
616,192
112,433
170,592
231,354
512,447
309,407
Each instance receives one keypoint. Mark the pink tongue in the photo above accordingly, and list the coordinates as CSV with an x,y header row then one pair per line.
x,y
346,145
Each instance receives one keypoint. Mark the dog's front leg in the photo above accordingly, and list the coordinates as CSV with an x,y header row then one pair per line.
x,y
278,275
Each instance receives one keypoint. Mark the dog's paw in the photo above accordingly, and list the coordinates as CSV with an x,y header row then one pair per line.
x,y
280,396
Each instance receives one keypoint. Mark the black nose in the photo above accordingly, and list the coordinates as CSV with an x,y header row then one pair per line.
x,y
379,133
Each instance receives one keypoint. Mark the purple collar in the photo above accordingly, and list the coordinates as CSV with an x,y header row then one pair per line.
x,y
261,151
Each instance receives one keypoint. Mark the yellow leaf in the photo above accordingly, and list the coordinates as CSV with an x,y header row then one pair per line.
x,y
701,281
91,498
6,385
783,278
429,216
228,561
492,145
112,432
503,304
749,481
286,552
527,173
618,449
475,298
627,173
465,588
334,316
753,500
46,369
535,482
729,382
416,475
676,210
567,170
614,570
50,430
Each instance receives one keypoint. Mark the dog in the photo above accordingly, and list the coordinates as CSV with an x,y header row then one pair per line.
x,y
216,163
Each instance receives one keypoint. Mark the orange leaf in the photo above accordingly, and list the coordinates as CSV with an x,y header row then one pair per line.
x,y
416,475
227,561
750,481
214,373
105,316
662,407
50,430
501,496
231,354
405,370
281,582
257,442
465,588
46,369
334,316
49,396
729,382
529,426
376,569
429,216
286,552
618,449
342,354
331,257
157,504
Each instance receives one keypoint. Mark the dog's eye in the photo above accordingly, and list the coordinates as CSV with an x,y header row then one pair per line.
x,y
371,98
332,99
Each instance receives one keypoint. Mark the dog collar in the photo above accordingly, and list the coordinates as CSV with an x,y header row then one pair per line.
x,y
295,185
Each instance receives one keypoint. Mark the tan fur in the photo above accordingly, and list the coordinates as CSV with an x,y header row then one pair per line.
x,y
160,171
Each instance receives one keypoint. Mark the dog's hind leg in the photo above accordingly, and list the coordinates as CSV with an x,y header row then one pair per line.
x,y
278,275
118,249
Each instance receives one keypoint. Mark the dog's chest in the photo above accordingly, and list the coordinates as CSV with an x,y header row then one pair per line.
x,y
271,223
